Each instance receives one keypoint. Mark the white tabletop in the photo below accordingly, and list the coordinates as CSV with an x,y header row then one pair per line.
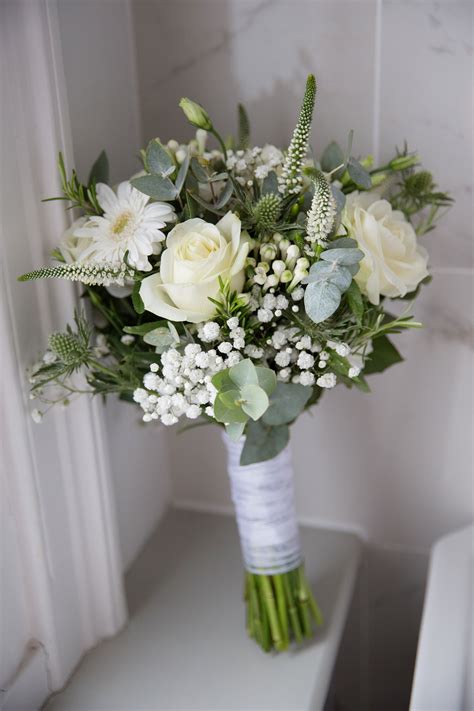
x,y
186,647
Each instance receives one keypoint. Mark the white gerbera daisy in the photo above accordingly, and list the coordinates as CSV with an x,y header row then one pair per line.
x,y
129,224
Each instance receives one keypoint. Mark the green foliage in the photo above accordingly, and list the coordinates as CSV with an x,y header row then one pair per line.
x,y
100,170
263,442
85,272
383,355
77,194
157,187
158,160
359,174
163,337
288,400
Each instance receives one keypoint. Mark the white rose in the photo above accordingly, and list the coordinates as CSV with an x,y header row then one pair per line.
x,y
72,246
197,254
394,263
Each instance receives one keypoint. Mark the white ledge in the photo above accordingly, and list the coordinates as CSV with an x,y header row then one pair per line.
x,y
186,647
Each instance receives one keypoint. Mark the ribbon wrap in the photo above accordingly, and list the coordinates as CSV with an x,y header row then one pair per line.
x,y
263,497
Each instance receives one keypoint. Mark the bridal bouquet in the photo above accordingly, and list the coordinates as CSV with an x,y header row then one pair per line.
x,y
235,285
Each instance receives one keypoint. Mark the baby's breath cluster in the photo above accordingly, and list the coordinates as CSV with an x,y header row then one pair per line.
x,y
254,163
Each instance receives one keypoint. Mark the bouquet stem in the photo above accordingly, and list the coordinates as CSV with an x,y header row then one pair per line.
x,y
280,608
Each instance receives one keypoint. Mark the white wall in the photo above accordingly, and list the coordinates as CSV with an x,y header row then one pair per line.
x,y
99,66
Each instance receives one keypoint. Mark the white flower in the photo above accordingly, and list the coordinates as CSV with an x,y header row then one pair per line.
x,y
140,394
297,294
353,372
394,263
198,254
264,315
72,246
127,340
37,416
253,351
233,322
224,347
193,412
305,360
328,380
209,332
282,359
129,224
168,419
307,378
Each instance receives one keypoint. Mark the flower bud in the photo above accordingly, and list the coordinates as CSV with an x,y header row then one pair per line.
x,y
302,264
378,178
292,254
277,238
286,276
284,244
272,280
278,267
201,138
196,114
404,162
268,251
367,162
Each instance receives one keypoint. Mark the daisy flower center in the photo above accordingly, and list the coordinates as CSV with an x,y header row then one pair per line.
x,y
121,223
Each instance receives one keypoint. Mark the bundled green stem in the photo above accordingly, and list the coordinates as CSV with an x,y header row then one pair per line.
x,y
280,608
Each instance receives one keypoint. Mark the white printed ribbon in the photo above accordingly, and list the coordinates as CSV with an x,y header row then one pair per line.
x,y
263,496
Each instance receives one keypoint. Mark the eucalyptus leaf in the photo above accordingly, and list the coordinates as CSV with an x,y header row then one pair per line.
x,y
222,381
225,411
161,338
244,373
100,170
155,186
321,300
342,242
182,173
322,271
198,171
339,197
235,430
286,403
255,401
270,184
359,174
332,157
355,301
266,379
263,442
225,195
342,255
158,160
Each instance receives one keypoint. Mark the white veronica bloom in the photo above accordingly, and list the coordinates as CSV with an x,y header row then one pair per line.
x,y
130,223
394,263
197,254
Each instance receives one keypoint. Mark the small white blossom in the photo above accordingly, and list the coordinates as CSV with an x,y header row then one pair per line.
x,y
168,419
224,347
140,394
303,343
202,359
193,412
210,331
209,411
353,372
36,416
233,322
264,315
307,378
322,363
127,340
253,351
282,359
151,381
282,302
324,355
297,294
305,360
269,301
154,367
328,380
284,374
239,343
49,357
233,358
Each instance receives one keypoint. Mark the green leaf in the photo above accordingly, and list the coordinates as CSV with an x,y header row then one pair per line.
x,y
156,186
225,195
244,373
355,301
345,256
162,338
270,184
225,409
100,170
342,242
182,172
384,355
198,171
235,430
321,300
222,382
263,442
137,301
326,272
359,174
255,401
144,328
332,157
266,379
286,403
339,197
158,160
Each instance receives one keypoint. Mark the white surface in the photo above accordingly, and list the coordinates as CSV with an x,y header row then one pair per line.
x,y
28,689
444,664
186,646
99,66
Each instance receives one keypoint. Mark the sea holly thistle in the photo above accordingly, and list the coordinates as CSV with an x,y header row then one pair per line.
x,y
322,213
291,177
267,211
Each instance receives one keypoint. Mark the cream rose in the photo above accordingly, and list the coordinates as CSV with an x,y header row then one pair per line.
x,y
394,263
197,253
